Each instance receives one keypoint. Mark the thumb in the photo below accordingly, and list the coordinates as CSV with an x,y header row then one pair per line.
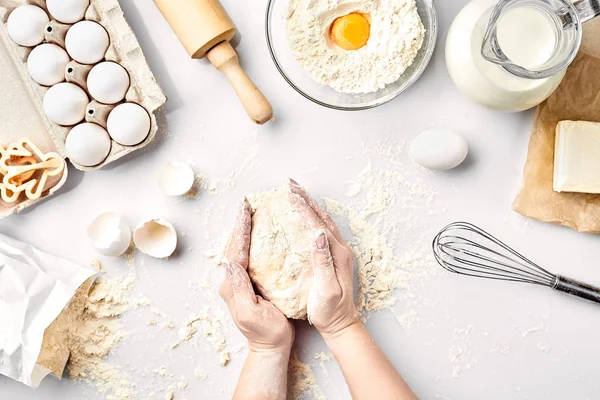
x,y
323,267
243,292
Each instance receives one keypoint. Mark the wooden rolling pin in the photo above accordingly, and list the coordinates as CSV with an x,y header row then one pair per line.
x,y
205,29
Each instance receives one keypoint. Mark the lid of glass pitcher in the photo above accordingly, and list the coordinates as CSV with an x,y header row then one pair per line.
x,y
567,17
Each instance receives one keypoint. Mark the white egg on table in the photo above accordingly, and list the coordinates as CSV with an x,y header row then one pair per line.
x,y
87,144
65,104
128,124
176,178
108,82
110,234
26,25
46,64
87,42
155,237
439,149
67,11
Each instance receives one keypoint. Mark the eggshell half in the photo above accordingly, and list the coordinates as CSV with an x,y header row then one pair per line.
x,y
26,25
110,234
46,64
176,178
439,149
87,42
155,237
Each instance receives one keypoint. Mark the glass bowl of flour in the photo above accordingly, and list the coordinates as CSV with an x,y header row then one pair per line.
x,y
401,42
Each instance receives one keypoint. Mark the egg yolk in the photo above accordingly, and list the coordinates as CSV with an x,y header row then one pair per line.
x,y
351,32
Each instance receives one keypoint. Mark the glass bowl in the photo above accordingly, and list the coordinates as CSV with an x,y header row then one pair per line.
x,y
294,74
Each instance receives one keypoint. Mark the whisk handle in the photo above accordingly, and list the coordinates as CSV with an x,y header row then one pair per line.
x,y
576,288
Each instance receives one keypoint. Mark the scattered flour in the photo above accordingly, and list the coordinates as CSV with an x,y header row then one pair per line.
x,y
301,381
460,351
95,334
396,36
211,328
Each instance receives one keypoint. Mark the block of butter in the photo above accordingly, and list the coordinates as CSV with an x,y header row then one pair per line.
x,y
577,157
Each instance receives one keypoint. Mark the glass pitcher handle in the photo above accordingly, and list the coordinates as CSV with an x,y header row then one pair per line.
x,y
587,9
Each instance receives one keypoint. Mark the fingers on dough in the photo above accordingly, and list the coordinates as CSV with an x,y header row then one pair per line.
x,y
243,292
238,248
323,267
331,225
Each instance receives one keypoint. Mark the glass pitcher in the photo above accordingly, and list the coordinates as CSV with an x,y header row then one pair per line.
x,y
511,55
567,17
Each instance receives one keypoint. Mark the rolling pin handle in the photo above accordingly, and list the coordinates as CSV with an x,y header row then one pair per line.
x,y
224,58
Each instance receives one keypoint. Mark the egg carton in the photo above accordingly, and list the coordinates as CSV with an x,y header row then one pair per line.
x,y
21,98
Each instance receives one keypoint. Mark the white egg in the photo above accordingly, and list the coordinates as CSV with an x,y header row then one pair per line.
x,y
26,25
128,124
108,82
110,234
87,42
155,237
67,11
176,178
88,144
46,64
65,104
439,149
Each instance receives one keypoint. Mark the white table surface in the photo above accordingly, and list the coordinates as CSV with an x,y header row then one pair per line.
x,y
518,342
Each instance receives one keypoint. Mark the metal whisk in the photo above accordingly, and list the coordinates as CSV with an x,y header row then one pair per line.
x,y
465,249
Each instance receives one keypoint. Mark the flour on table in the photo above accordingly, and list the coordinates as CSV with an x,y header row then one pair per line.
x,y
302,383
211,328
397,34
95,334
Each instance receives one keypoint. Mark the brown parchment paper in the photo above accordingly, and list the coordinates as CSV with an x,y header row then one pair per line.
x,y
577,98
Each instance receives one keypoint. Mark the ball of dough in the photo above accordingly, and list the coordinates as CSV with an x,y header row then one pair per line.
x,y
87,42
88,144
65,104
108,82
26,25
128,124
280,253
67,11
46,64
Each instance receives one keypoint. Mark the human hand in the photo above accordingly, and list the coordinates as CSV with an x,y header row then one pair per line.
x,y
265,327
331,306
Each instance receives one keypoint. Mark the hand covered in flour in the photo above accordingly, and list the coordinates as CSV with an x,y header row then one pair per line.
x,y
265,327
331,306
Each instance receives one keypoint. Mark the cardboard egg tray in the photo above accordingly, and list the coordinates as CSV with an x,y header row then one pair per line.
x,y
21,97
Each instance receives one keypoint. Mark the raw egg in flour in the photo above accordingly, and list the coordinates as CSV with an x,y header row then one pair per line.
x,y
351,32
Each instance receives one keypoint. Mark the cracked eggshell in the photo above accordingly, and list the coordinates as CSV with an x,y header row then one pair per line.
x,y
176,178
110,234
65,104
46,64
26,25
108,82
439,149
67,11
88,144
87,42
128,124
155,237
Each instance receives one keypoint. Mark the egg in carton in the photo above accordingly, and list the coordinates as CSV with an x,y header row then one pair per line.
x,y
124,105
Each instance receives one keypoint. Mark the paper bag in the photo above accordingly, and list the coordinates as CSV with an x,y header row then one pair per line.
x,y
35,289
